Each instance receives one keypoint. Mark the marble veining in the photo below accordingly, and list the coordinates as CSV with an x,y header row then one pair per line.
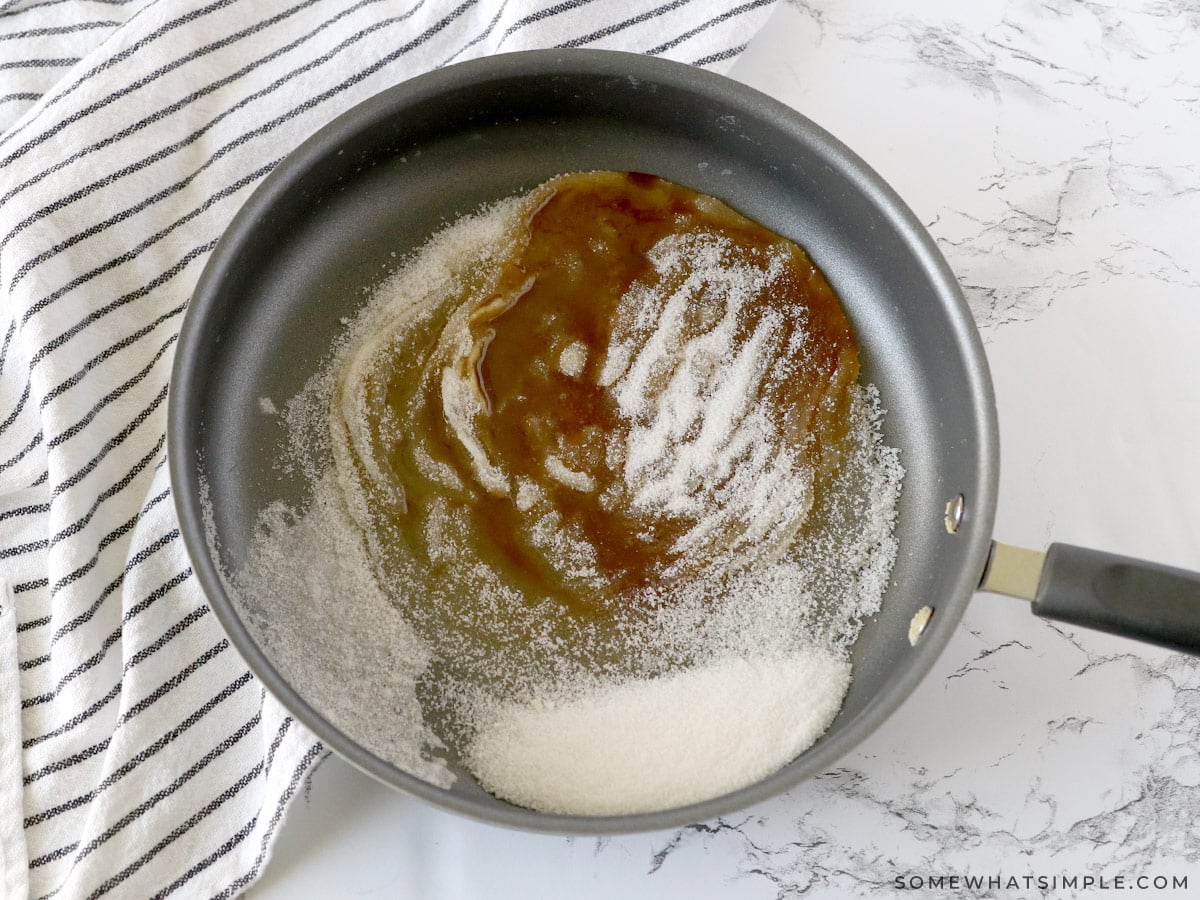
x,y
1076,123
853,830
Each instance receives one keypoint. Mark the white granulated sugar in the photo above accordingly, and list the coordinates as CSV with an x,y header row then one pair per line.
x,y
580,481
528,494
436,470
267,406
572,359
704,444
461,407
645,745
307,590
688,689
359,673
563,543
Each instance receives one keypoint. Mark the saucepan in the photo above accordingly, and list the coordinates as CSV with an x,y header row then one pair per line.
x,y
326,225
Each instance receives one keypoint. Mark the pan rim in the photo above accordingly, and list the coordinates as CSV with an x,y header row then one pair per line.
x,y
183,447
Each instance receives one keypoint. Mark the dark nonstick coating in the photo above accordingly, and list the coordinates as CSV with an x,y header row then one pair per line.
x,y
383,177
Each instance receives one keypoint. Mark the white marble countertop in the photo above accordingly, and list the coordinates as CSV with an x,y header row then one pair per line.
x,y
1053,148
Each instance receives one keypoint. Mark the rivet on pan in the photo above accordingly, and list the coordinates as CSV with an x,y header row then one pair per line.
x,y
954,513
917,626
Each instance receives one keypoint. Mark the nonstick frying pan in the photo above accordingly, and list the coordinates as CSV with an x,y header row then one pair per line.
x,y
379,180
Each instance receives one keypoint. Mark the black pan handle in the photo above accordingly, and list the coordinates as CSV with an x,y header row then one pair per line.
x,y
1130,597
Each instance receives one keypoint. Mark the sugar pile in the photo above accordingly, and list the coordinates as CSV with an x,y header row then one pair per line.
x,y
688,692
645,745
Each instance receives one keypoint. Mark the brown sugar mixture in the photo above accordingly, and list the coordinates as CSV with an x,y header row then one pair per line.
x,y
595,496
642,383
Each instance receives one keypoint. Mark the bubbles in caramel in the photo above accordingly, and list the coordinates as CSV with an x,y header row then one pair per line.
x,y
638,385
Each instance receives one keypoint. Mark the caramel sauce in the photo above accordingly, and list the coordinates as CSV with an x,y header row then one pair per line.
x,y
583,244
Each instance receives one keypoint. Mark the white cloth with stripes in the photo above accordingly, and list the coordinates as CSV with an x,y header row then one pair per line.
x,y
138,757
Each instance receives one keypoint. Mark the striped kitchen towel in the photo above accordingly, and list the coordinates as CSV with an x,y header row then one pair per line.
x,y
138,756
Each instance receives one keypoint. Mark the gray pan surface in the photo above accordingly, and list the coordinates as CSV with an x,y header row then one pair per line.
x,y
386,175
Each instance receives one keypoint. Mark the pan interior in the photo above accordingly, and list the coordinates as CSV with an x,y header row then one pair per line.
x,y
376,183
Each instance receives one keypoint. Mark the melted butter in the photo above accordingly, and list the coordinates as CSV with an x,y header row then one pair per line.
x,y
504,424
